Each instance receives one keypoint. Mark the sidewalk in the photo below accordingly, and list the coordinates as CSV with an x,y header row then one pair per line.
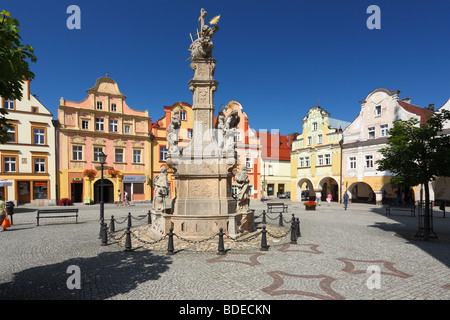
x,y
330,261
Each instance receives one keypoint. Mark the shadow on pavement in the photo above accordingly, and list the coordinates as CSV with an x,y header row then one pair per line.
x,y
101,277
406,227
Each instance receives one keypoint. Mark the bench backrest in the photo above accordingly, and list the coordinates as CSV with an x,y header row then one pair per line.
x,y
57,211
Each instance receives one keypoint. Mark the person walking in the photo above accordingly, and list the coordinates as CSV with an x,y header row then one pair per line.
x,y
329,198
318,196
125,198
345,197
3,212
119,198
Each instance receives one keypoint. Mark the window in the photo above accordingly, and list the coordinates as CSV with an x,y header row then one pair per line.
x,y
378,111
319,138
190,133
183,115
162,153
270,171
369,161
327,159
127,129
352,162
309,141
39,165
301,162
39,135
314,126
237,136
40,190
384,130
77,153
34,109
8,104
371,132
320,160
113,125
307,163
99,105
136,156
113,107
84,124
9,164
118,155
12,133
99,124
249,163
97,152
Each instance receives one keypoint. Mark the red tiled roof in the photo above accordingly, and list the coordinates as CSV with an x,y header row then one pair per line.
x,y
423,113
275,152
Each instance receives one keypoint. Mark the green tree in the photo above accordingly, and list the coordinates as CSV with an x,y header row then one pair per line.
x,y
417,154
14,67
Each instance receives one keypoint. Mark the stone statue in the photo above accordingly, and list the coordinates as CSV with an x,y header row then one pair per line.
x,y
220,129
202,47
172,133
161,186
242,182
231,124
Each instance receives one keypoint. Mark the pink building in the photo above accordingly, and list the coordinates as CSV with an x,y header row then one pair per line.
x,y
103,122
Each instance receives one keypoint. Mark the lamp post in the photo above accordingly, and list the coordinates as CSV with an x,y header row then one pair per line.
x,y
102,159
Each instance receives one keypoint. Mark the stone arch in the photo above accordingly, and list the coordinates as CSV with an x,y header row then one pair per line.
x,y
361,192
329,185
307,187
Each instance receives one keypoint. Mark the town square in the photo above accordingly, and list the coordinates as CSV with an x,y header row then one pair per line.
x,y
213,162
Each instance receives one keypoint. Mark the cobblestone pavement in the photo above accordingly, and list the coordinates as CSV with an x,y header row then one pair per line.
x,y
329,261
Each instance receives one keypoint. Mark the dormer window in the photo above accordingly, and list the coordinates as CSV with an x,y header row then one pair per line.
x,y
378,111
99,105
314,126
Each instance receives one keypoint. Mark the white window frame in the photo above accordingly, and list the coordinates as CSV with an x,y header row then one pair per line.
x,y
119,155
10,164
352,162
40,162
320,160
384,128
113,125
377,111
77,155
327,159
137,156
99,124
368,161
96,153
99,105
370,130
85,124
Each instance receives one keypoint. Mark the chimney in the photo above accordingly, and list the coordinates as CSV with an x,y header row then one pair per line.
x,y
407,100
431,107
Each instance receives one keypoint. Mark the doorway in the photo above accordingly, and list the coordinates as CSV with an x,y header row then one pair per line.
x,y
24,191
108,191
77,192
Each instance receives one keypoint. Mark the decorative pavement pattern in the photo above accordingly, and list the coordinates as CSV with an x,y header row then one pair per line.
x,y
331,261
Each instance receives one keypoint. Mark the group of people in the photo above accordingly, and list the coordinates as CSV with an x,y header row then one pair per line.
x,y
345,198
125,201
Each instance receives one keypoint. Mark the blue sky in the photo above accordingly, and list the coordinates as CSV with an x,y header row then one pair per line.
x,y
277,58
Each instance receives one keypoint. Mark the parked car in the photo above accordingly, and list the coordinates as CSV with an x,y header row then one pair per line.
x,y
286,195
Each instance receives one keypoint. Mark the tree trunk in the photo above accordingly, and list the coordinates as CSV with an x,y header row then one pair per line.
x,y
426,222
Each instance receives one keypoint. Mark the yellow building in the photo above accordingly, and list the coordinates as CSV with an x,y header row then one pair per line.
x,y
159,139
28,160
103,122
316,157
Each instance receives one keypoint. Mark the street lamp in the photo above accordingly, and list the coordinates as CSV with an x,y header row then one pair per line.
x,y
102,159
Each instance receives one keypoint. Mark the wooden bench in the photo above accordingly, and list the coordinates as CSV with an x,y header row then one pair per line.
x,y
56,213
282,206
411,209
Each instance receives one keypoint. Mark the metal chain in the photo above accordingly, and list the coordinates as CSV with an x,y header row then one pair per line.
x,y
279,237
195,241
120,222
245,240
138,218
148,242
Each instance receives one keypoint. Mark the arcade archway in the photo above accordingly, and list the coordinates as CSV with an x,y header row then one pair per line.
x,y
108,191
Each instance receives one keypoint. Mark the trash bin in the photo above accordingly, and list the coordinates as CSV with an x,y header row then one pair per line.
x,y
10,210
442,205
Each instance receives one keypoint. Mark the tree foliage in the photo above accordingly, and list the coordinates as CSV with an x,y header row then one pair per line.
x,y
14,67
417,153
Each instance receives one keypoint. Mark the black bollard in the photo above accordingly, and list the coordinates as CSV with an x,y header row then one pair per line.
x,y
112,226
149,221
129,219
221,247
297,227
264,246
293,233
264,217
280,223
100,234
170,248
128,240
105,235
